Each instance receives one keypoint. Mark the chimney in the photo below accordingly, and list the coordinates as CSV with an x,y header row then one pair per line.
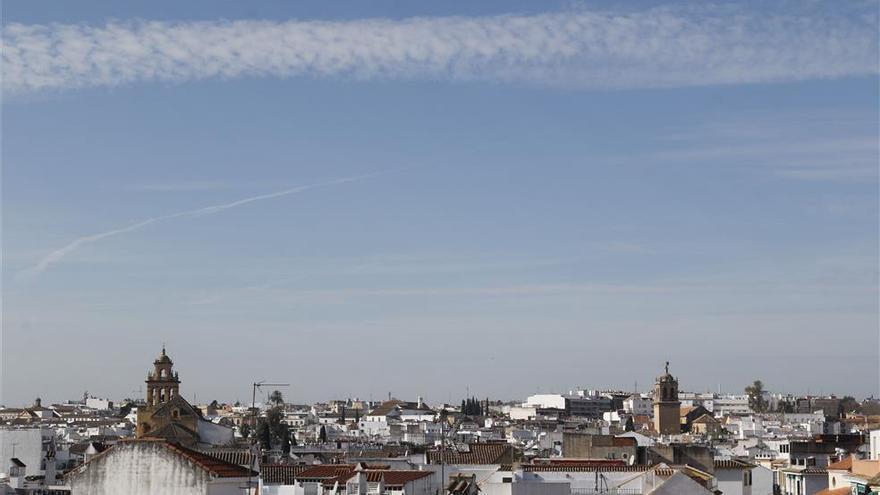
x,y
363,486
49,478
421,404
16,474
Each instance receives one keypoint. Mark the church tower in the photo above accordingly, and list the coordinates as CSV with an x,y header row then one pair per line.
x,y
163,383
667,408
166,414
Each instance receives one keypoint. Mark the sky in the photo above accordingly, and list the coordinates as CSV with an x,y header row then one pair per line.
x,y
435,198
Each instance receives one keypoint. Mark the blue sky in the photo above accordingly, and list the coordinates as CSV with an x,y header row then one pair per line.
x,y
669,181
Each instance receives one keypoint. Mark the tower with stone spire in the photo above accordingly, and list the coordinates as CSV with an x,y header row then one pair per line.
x,y
166,414
163,382
667,407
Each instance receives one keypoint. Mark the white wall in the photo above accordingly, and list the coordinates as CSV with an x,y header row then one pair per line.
x,y
100,404
279,490
27,445
762,481
523,413
230,486
525,488
139,469
215,434
875,445
555,401
730,482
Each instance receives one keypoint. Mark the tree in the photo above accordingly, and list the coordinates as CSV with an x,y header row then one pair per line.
x,y
271,430
848,404
245,430
755,391
870,407
357,415
276,398
630,425
786,407
322,435
285,442
264,435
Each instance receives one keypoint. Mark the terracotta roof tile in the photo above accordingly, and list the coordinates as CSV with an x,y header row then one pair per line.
x,y
215,466
396,478
325,472
479,453
842,465
241,457
835,491
281,474
733,464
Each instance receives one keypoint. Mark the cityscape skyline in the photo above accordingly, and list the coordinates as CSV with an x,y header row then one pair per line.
x,y
460,247
452,398
420,197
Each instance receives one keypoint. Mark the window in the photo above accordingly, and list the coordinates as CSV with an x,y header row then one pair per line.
x,y
507,479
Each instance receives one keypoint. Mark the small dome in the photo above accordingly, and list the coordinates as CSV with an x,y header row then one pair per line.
x,y
163,358
666,377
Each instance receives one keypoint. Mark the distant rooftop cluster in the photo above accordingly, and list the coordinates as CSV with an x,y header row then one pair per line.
x,y
580,443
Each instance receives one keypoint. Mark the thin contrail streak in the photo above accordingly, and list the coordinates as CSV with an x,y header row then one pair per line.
x,y
57,255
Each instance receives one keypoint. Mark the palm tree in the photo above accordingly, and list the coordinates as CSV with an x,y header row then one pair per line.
x,y
755,391
276,398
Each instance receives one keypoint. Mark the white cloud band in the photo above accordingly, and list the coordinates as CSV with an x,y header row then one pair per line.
x,y
577,49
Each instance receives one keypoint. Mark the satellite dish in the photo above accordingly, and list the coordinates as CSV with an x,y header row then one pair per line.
x,y
631,461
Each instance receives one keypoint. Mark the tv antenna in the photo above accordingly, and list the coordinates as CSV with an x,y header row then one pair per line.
x,y
253,436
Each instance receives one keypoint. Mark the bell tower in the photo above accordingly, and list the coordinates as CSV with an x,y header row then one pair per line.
x,y
667,407
166,414
163,382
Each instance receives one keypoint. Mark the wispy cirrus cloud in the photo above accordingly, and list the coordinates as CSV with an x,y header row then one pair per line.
x,y
660,47
803,146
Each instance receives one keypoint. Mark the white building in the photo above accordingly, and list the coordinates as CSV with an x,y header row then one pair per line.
x,y
27,445
874,445
731,404
638,405
99,404
523,412
734,477
149,467
546,401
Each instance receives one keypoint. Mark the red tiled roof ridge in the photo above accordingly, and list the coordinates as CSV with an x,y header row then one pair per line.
x,y
842,465
215,466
